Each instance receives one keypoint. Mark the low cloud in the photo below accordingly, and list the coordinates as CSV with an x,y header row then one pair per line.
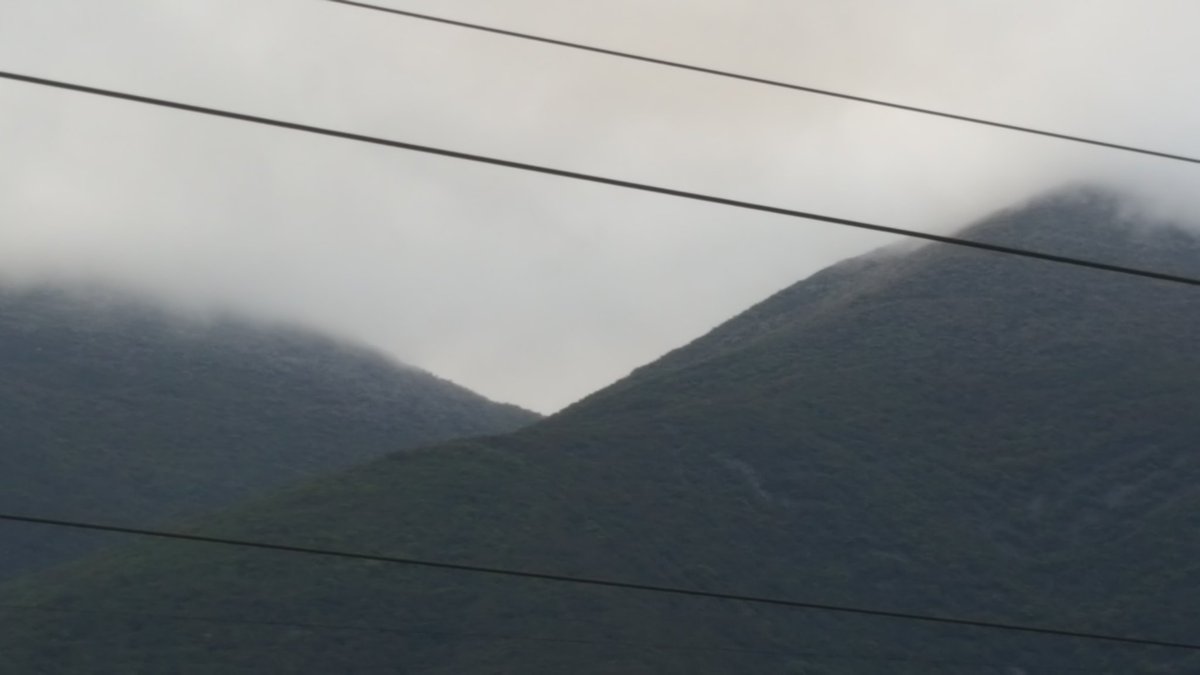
x,y
529,288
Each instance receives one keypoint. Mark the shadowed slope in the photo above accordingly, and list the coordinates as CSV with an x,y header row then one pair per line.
x,y
937,430
121,411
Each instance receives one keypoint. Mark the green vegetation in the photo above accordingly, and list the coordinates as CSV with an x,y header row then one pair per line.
x,y
119,412
940,431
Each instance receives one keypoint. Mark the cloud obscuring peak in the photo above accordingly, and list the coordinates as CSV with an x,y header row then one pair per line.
x,y
534,289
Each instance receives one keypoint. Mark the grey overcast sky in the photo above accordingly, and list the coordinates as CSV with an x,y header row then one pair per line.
x,y
527,288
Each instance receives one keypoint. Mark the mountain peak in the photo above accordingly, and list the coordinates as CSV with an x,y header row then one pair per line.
x,y
116,407
1094,222
941,430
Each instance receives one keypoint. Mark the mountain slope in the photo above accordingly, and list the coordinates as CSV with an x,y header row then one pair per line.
x,y
117,409
941,430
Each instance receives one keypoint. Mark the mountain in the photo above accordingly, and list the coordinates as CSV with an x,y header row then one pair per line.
x,y
113,407
936,430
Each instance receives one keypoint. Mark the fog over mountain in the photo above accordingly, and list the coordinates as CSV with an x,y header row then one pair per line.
x,y
113,407
283,335
928,429
532,289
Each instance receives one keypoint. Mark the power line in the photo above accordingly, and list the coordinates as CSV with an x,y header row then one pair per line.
x,y
602,180
647,188
506,637
606,583
773,83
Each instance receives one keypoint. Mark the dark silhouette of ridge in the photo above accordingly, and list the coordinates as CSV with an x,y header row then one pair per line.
x,y
933,430
114,407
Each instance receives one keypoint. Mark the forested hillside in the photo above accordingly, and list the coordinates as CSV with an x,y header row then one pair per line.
x,y
117,409
932,430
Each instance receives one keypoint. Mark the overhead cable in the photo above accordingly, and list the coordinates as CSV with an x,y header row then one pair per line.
x,y
605,583
602,180
773,83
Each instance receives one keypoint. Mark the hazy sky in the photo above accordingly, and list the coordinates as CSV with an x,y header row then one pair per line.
x,y
528,288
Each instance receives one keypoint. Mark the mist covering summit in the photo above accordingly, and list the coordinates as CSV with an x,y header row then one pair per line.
x,y
940,430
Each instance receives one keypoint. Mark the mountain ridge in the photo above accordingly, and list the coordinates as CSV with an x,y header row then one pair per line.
x,y
123,409
980,436
1029,225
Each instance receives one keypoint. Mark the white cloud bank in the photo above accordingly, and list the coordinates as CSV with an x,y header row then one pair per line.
x,y
528,288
